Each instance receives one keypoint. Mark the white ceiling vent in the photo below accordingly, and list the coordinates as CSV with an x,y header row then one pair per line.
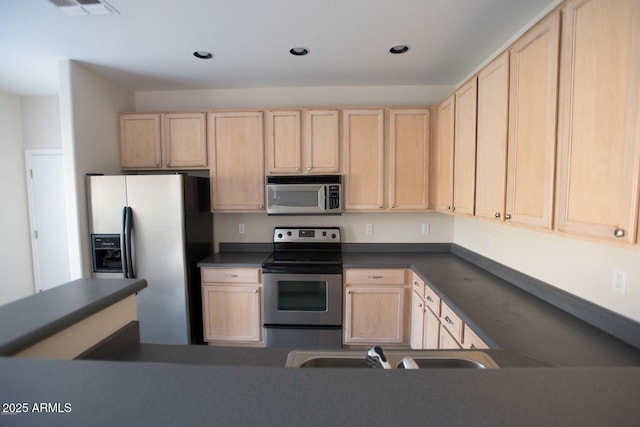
x,y
84,7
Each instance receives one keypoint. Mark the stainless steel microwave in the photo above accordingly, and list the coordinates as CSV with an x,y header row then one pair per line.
x,y
304,195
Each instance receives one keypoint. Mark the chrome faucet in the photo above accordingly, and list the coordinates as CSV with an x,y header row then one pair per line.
x,y
377,359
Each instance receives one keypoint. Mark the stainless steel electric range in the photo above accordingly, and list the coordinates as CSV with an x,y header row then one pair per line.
x,y
302,282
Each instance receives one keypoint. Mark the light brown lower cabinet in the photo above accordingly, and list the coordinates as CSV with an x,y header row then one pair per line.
x,y
447,341
232,306
425,325
374,307
471,340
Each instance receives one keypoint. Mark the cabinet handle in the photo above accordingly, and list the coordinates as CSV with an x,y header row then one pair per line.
x,y
229,275
448,208
497,215
393,205
416,284
168,163
261,206
453,208
157,163
472,347
349,292
297,169
424,310
619,232
255,291
379,206
420,305
449,321
309,169
375,277
430,299
507,216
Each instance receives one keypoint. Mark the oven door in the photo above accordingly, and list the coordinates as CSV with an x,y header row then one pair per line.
x,y
302,299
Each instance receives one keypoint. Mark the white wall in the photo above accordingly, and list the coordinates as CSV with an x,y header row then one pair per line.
x,y
16,279
286,97
89,106
387,227
578,266
41,122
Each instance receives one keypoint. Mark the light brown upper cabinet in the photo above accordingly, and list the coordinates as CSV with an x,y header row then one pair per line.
x,y
302,142
464,165
236,161
363,156
163,141
409,159
442,156
491,162
599,119
533,95
321,147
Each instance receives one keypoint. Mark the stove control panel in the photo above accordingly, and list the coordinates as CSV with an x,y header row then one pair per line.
x,y
302,234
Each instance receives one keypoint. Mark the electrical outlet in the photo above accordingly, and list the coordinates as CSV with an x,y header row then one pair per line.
x,y
619,281
241,228
368,228
425,228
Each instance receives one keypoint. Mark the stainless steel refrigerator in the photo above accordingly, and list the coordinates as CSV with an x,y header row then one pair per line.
x,y
154,227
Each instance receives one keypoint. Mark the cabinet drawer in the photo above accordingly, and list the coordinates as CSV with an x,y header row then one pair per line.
x,y
368,277
451,321
418,286
471,340
432,300
231,275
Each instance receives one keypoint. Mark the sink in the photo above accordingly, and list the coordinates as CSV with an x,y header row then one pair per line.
x,y
425,359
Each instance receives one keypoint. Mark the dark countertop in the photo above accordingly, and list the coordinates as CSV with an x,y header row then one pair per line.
x,y
34,318
502,314
166,394
235,259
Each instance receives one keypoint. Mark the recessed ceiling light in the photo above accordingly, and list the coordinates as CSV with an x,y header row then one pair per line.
x,y
401,48
299,51
202,54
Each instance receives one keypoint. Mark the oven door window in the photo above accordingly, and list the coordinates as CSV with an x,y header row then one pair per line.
x,y
294,295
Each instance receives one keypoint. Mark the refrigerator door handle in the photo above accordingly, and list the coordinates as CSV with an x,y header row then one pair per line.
x,y
125,249
128,224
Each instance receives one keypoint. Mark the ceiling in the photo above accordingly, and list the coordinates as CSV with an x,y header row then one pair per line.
x,y
148,44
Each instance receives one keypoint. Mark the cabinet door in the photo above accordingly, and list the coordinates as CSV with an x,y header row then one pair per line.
x,y
533,95
409,159
236,161
599,119
431,340
443,156
283,142
321,148
464,176
231,313
417,321
491,161
184,138
447,342
363,139
140,143
374,314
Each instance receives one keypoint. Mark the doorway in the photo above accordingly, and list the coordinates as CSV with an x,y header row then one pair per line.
x,y
47,218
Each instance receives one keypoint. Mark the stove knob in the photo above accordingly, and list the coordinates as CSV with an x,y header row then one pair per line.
x,y
279,235
324,233
288,233
333,236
